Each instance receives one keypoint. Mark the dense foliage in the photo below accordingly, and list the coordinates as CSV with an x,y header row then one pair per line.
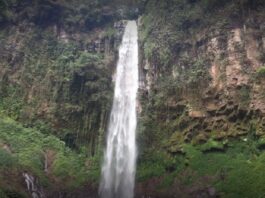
x,y
231,168
57,61
26,149
181,149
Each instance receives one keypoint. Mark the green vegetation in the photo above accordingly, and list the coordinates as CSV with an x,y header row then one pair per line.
x,y
7,160
155,164
56,82
233,169
71,15
59,83
7,193
260,73
24,149
212,145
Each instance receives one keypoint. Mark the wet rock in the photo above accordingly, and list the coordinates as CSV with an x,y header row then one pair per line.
x,y
119,26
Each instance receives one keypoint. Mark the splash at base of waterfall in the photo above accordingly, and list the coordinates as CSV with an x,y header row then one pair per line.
x,y
118,170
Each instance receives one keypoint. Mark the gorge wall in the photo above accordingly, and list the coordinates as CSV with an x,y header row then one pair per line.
x,y
201,104
55,74
203,69
202,97
57,63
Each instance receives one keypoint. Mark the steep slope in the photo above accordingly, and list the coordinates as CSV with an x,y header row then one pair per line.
x,y
201,129
56,169
56,64
57,61
202,97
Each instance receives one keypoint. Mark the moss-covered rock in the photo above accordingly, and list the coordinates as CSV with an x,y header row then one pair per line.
x,y
212,145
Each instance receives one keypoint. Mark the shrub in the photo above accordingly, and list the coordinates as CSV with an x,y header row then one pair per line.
x,y
260,73
6,159
86,58
28,147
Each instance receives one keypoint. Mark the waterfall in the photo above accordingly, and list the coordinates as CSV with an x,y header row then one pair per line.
x,y
118,170
32,186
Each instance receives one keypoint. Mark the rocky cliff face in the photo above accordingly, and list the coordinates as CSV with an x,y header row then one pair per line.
x,y
201,130
58,79
211,75
202,71
57,63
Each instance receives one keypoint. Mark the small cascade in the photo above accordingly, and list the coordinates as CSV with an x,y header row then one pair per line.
x,y
32,186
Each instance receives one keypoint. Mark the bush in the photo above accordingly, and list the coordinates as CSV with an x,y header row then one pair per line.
x,y
86,58
260,73
234,170
28,147
155,164
6,159
212,145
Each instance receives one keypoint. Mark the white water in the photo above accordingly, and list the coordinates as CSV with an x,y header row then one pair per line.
x,y
32,187
118,170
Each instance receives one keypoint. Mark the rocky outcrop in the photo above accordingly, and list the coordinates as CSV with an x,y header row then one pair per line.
x,y
60,81
229,102
200,88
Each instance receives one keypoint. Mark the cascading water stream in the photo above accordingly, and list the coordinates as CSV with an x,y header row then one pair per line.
x,y
118,170
32,185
